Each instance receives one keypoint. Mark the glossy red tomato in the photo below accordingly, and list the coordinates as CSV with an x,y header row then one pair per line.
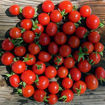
x,y
58,60
55,16
99,47
14,80
51,29
91,82
74,42
44,39
28,12
19,50
84,66
62,72
50,72
44,56
79,87
43,18
15,33
69,62
18,67
53,87
69,28
39,95
7,45
28,91
65,50
39,67
14,9
48,6
68,95
74,16
75,74
28,36
60,38
33,48
92,22
80,32
65,5
85,11
42,83
7,58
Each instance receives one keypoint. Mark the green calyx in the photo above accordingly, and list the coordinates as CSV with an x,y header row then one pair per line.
x,y
91,62
46,98
38,66
19,91
86,34
58,60
75,7
15,59
101,53
36,13
37,79
23,84
69,55
69,76
101,80
64,98
26,58
20,10
78,90
76,25
63,13
35,24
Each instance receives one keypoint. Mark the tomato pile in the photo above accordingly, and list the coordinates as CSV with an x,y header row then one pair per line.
x,y
51,54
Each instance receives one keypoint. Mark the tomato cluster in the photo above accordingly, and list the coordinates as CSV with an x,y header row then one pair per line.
x,y
50,53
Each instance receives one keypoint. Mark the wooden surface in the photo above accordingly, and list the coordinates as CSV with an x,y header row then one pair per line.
x,y
96,97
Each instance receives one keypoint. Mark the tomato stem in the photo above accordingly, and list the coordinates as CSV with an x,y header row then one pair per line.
x,y
63,98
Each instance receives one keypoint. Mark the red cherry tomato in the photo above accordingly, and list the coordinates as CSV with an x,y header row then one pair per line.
x,y
58,60
99,47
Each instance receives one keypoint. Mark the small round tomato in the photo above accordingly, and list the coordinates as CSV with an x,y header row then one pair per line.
x,y
14,9
75,74
28,91
7,45
39,67
28,12
58,60
26,24
94,35
44,39
15,33
69,28
88,47
50,72
74,16
84,66
80,32
43,18
65,5
7,58
91,82
92,22
65,50
60,38
79,87
39,95
51,29
55,16
69,62
33,48
68,95
53,87
18,67
62,72
19,50
48,6
74,42
52,48
14,80
28,36
42,83
44,56
85,11
28,77
99,47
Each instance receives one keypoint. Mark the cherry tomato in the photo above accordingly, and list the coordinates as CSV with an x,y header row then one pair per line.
x,y
43,18
99,47
92,22
28,91
28,36
84,66
7,58
69,28
14,80
18,67
91,82
60,38
42,83
28,12
48,6
58,60
62,72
